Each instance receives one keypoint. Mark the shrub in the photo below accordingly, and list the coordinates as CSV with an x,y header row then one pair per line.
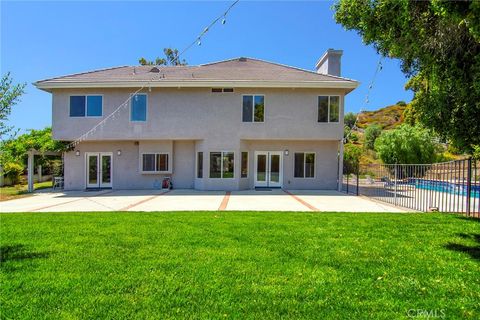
x,y
351,158
476,152
371,134
353,137
12,171
406,144
349,119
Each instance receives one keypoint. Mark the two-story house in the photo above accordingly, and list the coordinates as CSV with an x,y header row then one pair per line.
x,y
230,125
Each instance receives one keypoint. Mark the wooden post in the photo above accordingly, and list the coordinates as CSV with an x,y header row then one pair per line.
x,y
30,171
39,172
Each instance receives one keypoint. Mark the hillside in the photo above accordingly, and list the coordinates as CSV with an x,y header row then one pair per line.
x,y
388,117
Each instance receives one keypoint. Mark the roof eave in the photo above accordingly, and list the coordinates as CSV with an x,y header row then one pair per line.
x,y
47,86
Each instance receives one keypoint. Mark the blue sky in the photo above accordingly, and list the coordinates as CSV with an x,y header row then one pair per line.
x,y
46,39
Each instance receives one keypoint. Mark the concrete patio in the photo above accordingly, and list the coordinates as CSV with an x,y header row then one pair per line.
x,y
176,200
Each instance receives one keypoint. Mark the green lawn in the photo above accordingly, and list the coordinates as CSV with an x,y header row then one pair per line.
x,y
249,265
20,190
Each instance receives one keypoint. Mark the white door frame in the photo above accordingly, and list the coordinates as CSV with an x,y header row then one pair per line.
x,y
268,181
100,183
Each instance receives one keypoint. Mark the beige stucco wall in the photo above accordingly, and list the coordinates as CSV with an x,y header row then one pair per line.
x,y
126,172
197,113
183,122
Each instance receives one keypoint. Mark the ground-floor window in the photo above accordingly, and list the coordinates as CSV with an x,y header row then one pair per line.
x,y
244,167
304,165
155,162
222,165
200,165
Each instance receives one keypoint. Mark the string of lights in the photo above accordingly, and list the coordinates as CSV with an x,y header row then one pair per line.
x,y
124,105
367,96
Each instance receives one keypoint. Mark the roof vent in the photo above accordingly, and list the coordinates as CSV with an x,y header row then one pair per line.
x,y
242,59
155,69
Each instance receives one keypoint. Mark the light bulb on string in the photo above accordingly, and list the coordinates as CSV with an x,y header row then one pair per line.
x,y
224,20
199,42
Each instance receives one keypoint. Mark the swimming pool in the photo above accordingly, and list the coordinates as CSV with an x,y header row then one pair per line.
x,y
444,186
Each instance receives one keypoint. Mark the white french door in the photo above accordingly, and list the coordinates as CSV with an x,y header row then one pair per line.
x,y
99,169
268,169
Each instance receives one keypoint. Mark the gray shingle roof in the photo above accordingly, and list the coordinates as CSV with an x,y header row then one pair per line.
x,y
238,69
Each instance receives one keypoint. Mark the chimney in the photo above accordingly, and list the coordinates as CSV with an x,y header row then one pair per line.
x,y
330,62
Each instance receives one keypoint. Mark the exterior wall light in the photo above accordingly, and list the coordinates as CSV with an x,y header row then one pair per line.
x,y
286,152
119,152
77,153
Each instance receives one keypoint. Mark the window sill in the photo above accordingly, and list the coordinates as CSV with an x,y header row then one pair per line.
x,y
155,172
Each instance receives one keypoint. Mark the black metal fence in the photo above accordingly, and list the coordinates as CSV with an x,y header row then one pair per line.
x,y
447,187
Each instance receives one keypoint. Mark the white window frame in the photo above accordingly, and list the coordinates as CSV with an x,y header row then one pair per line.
x,y
305,165
86,104
169,169
328,108
132,96
253,107
248,171
221,164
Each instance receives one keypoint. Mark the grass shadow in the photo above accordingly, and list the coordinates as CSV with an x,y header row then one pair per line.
x,y
19,252
473,219
473,251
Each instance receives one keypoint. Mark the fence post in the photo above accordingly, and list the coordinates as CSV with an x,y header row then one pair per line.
x,y
358,177
395,190
469,185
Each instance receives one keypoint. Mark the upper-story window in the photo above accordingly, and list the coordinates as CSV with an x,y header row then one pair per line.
x,y
253,108
328,108
138,107
86,106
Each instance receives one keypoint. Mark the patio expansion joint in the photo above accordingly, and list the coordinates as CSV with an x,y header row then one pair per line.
x,y
306,204
143,201
67,202
223,205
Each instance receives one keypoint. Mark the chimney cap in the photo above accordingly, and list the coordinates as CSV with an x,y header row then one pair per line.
x,y
329,52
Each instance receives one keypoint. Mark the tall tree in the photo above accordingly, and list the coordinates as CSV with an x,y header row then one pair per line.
x,y
406,144
9,96
438,44
349,119
171,59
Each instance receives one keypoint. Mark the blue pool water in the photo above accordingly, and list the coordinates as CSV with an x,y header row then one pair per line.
x,y
443,186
